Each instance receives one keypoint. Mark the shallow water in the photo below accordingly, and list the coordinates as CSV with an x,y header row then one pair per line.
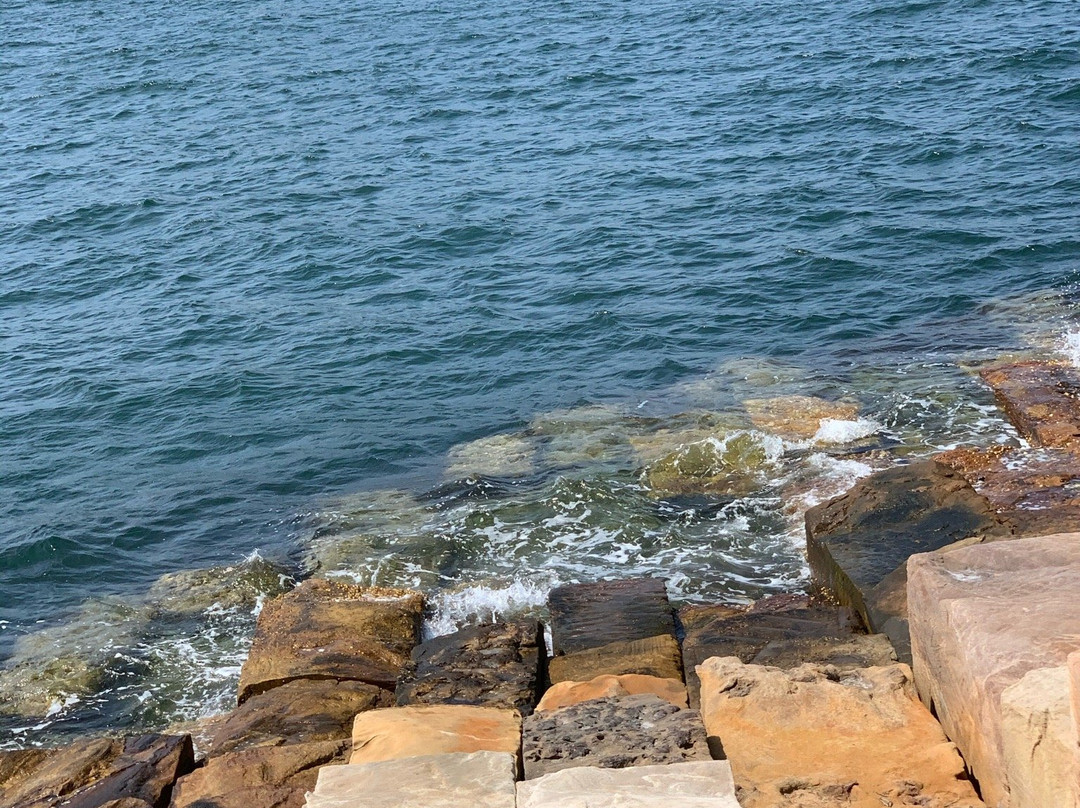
x,y
280,277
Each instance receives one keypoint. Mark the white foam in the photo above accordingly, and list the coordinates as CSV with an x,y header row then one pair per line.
x,y
836,430
454,609
1070,346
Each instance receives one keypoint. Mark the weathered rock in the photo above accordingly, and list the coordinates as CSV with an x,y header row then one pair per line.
x,y
300,711
585,616
653,656
816,736
332,630
1040,741
266,777
493,456
473,780
427,729
732,464
1042,399
982,616
797,417
698,784
856,541
783,631
1034,491
234,586
564,694
93,773
612,733
497,665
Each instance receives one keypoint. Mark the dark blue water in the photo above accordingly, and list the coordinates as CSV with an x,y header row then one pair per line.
x,y
260,254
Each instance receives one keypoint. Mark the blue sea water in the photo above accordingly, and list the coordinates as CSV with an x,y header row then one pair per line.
x,y
263,258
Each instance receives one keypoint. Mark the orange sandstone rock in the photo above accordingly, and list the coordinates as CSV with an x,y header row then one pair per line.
x,y
564,694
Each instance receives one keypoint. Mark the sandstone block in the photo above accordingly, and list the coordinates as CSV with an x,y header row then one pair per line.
x,y
612,733
1039,741
300,711
1040,399
332,630
1073,664
817,736
564,694
783,631
498,665
91,773
857,543
585,616
428,729
461,780
655,656
982,616
266,777
699,784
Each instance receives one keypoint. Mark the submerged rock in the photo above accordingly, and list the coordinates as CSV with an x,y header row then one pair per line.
x,y
493,456
797,417
235,586
733,464
586,435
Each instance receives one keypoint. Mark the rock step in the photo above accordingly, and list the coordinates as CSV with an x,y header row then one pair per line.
x,y
587,616
1041,398
993,628
565,694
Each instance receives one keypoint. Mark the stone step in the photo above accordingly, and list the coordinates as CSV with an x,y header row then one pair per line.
x,y
461,780
817,736
653,656
982,618
587,616
1041,398
612,733
565,694
332,630
495,665
699,784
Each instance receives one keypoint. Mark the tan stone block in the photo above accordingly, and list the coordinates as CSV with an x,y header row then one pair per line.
x,y
428,729
1042,759
814,735
461,780
700,784
332,630
1073,663
564,694
982,616
656,656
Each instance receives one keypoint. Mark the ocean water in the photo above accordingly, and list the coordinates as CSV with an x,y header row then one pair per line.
x,y
422,293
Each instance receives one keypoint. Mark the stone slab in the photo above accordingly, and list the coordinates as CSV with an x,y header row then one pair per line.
x,y
982,616
564,694
266,777
857,543
1073,664
816,736
585,616
300,711
427,729
654,656
472,780
327,629
783,631
97,771
1039,741
1042,399
612,733
699,784
497,665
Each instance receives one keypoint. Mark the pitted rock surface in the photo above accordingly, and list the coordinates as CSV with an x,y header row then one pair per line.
x,y
497,665
613,734
585,616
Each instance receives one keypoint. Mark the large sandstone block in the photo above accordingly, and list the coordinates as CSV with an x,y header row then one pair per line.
x,y
1039,741
96,772
266,777
982,616
816,736
783,631
300,711
428,729
654,656
612,733
1073,664
461,780
699,784
332,630
1041,399
857,543
585,616
564,694
497,665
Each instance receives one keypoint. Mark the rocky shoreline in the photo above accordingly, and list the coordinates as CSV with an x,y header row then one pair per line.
x,y
936,663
